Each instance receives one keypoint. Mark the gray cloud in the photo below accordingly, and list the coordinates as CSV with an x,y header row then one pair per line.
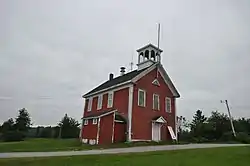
x,y
54,51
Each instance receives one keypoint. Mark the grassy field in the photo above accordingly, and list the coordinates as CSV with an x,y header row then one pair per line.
x,y
230,156
44,145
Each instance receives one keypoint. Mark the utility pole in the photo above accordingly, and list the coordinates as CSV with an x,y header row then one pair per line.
x,y
230,117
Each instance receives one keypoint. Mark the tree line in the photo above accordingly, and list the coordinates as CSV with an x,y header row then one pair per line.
x,y
21,127
214,128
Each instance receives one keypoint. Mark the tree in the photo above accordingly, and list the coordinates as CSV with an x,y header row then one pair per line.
x,y
220,123
23,120
7,126
69,127
197,124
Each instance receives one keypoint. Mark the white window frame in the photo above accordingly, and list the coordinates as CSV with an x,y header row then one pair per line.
x,y
110,100
158,104
90,104
166,105
99,102
144,97
86,122
94,121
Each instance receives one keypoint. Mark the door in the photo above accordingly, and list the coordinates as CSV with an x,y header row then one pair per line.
x,y
156,132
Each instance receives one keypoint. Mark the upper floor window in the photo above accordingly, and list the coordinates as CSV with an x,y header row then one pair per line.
x,y
156,102
99,103
141,97
86,122
110,99
89,104
168,104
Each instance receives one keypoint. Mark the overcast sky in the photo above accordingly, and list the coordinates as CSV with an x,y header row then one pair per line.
x,y
53,51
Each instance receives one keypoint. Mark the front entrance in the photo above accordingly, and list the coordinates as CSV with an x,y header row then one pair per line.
x,y
156,132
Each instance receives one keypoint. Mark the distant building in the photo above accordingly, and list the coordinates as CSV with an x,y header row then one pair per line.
x,y
135,106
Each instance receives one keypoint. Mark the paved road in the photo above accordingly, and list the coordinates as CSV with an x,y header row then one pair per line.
x,y
114,151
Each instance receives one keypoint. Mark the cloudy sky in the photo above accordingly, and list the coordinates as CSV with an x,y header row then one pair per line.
x,y
53,51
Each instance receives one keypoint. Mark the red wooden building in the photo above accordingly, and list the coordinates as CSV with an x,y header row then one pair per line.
x,y
135,106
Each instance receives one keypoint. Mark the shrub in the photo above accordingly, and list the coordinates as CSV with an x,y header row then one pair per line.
x,y
12,136
243,137
199,139
227,136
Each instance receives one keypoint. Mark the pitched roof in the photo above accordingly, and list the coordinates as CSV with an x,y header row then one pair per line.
x,y
148,45
115,81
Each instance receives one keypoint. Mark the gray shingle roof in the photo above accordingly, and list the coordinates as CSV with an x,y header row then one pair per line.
x,y
117,80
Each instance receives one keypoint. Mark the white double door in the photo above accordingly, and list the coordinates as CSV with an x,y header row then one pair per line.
x,y
156,131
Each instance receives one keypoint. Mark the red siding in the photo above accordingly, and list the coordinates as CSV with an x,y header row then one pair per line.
x,y
89,131
119,132
142,116
106,129
120,102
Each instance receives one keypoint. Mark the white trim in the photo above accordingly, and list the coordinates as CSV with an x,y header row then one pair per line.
x,y
94,121
110,105
164,75
144,98
170,103
156,82
91,117
176,129
113,130
90,101
119,121
168,81
130,108
99,101
158,109
139,76
107,89
160,118
98,131
86,122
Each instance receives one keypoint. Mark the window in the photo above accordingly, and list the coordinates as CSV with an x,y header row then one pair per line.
x,y
110,99
94,121
86,122
156,82
99,104
168,104
156,102
141,98
90,104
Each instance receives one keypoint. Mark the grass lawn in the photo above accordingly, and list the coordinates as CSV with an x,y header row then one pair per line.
x,y
44,145
230,156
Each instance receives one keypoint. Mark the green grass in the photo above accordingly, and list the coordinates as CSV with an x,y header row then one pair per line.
x,y
31,145
44,145
230,156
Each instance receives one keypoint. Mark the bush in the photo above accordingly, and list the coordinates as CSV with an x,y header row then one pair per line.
x,y
12,136
199,139
243,137
227,136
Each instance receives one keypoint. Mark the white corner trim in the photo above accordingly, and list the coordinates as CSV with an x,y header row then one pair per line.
x,y
113,129
106,89
130,107
98,131
175,122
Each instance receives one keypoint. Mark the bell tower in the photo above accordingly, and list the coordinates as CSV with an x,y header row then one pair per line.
x,y
148,55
